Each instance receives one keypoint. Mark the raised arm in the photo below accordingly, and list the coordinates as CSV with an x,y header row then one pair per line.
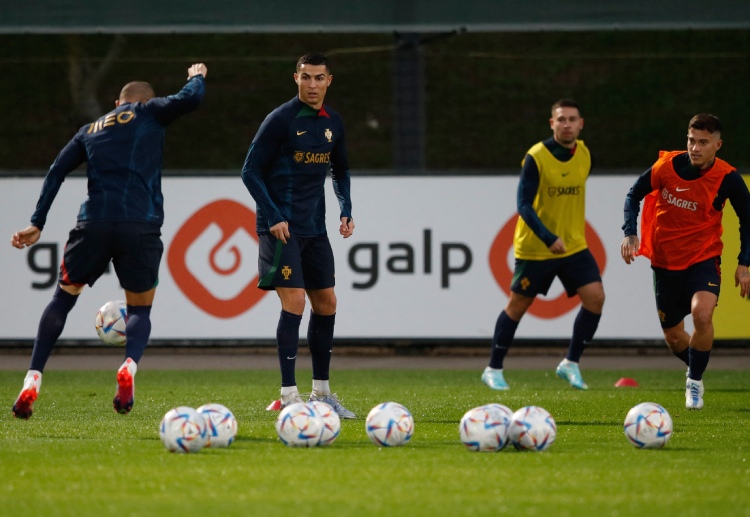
x,y
187,100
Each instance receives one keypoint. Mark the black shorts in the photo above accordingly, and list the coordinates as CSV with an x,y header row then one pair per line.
x,y
674,290
303,262
533,277
135,249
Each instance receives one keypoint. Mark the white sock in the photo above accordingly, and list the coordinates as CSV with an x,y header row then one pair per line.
x,y
131,365
490,369
288,392
567,361
33,379
320,388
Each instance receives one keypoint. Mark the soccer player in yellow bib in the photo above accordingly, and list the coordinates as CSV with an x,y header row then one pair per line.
x,y
550,242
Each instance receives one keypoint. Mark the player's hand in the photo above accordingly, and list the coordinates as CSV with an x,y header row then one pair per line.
x,y
281,231
742,279
25,237
629,248
197,69
558,247
347,227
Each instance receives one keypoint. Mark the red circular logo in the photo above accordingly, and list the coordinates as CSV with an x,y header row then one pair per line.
x,y
503,274
208,259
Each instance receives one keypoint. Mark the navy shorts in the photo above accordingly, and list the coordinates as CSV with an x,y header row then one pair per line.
x,y
533,277
303,262
674,290
134,248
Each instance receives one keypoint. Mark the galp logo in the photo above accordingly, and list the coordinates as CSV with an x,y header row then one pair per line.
x,y
210,259
503,273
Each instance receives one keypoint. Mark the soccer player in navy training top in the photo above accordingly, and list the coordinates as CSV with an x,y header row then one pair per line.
x,y
119,221
285,170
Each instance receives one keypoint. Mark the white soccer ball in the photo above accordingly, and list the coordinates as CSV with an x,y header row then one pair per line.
x,y
300,425
110,322
221,425
532,428
183,429
389,424
501,408
648,426
331,422
485,428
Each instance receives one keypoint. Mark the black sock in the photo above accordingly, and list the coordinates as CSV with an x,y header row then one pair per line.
x,y
320,342
584,329
137,331
698,363
505,329
684,355
287,339
51,326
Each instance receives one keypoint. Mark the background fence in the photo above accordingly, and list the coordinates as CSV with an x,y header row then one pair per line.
x,y
462,103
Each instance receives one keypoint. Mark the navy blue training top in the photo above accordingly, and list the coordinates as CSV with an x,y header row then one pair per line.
x,y
123,150
287,164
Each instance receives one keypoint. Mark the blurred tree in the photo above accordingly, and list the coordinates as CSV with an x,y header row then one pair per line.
x,y
85,77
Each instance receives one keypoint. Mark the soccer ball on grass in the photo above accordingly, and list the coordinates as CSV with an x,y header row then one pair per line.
x,y
183,429
389,424
648,426
532,428
221,425
485,428
331,422
110,322
300,425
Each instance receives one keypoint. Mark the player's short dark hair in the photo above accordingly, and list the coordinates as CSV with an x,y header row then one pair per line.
x,y
705,122
314,58
137,91
566,103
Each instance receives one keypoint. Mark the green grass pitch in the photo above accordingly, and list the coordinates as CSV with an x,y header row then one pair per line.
x,y
76,457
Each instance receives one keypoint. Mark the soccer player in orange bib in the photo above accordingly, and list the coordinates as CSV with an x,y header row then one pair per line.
x,y
685,192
